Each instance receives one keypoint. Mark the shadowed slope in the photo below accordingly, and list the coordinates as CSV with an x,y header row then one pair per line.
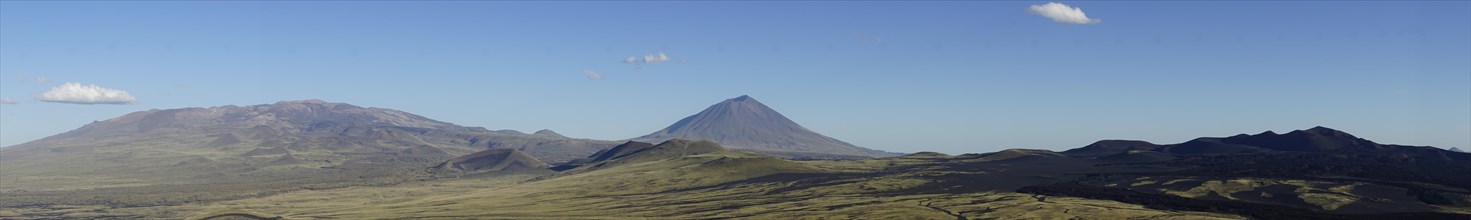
x,y
637,152
1110,147
491,160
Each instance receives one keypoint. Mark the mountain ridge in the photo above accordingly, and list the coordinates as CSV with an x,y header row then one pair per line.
x,y
318,125
310,143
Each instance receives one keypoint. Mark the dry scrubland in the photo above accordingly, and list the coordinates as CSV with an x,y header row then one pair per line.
x,y
690,182
701,180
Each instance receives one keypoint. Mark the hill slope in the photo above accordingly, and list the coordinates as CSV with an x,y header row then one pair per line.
x,y
491,160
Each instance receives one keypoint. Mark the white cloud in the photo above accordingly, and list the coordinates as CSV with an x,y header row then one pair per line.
x,y
8,101
592,74
656,58
649,59
76,93
1061,13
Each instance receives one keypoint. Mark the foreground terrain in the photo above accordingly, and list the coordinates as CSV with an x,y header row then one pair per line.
x,y
680,179
689,179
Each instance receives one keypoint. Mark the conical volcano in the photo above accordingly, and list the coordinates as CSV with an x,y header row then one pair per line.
x,y
744,123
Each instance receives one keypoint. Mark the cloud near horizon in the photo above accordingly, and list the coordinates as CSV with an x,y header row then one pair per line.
x,y
76,93
7,101
1061,13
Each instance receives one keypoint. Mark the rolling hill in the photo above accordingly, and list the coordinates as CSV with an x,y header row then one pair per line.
x,y
491,160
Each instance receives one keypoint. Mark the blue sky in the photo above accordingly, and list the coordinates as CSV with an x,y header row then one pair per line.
x,y
952,77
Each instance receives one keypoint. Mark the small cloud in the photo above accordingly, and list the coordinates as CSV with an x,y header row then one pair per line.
x,y
593,75
649,59
8,101
1061,13
76,93
656,58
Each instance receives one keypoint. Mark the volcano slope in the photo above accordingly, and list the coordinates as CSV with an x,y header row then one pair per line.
x,y
746,124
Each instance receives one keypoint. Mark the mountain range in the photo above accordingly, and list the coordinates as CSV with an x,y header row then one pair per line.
x,y
1315,139
735,159
308,143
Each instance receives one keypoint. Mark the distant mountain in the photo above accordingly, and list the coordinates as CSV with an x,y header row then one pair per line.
x,y
307,126
311,141
744,123
548,132
1313,140
1454,149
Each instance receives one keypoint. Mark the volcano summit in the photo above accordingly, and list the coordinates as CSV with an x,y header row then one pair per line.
x,y
746,124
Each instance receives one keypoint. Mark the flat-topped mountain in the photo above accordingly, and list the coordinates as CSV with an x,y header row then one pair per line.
x,y
744,123
308,143
305,126
1109,147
